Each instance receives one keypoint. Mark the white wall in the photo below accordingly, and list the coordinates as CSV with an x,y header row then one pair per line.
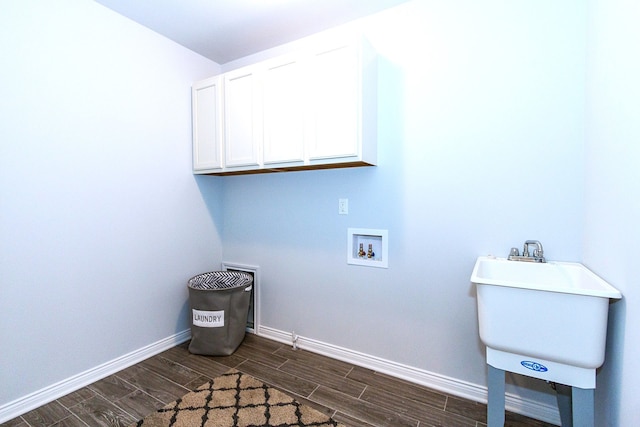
x,y
612,196
482,130
481,133
101,219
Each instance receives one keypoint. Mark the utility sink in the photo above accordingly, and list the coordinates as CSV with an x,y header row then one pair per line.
x,y
545,320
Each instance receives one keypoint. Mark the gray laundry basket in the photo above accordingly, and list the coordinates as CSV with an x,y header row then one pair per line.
x,y
219,307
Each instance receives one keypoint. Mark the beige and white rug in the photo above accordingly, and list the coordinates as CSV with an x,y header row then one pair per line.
x,y
236,400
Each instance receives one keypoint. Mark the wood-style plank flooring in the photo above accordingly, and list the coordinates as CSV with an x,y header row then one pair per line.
x,y
355,396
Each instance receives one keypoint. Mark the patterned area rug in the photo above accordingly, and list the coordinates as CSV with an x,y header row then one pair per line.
x,y
236,400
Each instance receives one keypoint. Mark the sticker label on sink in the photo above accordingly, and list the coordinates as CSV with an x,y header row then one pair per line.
x,y
534,366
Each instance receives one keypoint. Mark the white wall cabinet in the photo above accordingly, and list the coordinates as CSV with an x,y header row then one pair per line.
x,y
206,101
242,118
284,106
307,110
335,104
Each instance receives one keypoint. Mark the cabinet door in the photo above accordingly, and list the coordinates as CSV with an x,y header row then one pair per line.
x,y
242,117
284,96
207,124
334,111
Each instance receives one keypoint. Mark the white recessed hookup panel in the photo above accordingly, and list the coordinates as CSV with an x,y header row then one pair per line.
x,y
368,247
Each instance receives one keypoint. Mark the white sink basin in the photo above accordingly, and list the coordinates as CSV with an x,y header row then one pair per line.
x,y
545,320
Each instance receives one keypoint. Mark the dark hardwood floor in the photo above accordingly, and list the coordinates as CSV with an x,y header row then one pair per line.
x,y
355,396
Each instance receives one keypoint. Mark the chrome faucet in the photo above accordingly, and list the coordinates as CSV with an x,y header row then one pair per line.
x,y
538,252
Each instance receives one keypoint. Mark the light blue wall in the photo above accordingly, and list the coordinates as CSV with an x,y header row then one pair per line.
x,y
481,136
484,111
613,196
101,219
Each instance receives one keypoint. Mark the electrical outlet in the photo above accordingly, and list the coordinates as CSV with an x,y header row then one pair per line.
x,y
343,206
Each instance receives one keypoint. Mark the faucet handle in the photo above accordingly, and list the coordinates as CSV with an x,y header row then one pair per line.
x,y
514,252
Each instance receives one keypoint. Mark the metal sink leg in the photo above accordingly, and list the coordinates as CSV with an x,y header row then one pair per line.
x,y
495,407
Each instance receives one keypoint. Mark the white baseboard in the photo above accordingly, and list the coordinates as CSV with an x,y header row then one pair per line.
x,y
50,393
432,380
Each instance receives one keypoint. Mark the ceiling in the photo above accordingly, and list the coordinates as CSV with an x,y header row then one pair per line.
x,y
225,30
